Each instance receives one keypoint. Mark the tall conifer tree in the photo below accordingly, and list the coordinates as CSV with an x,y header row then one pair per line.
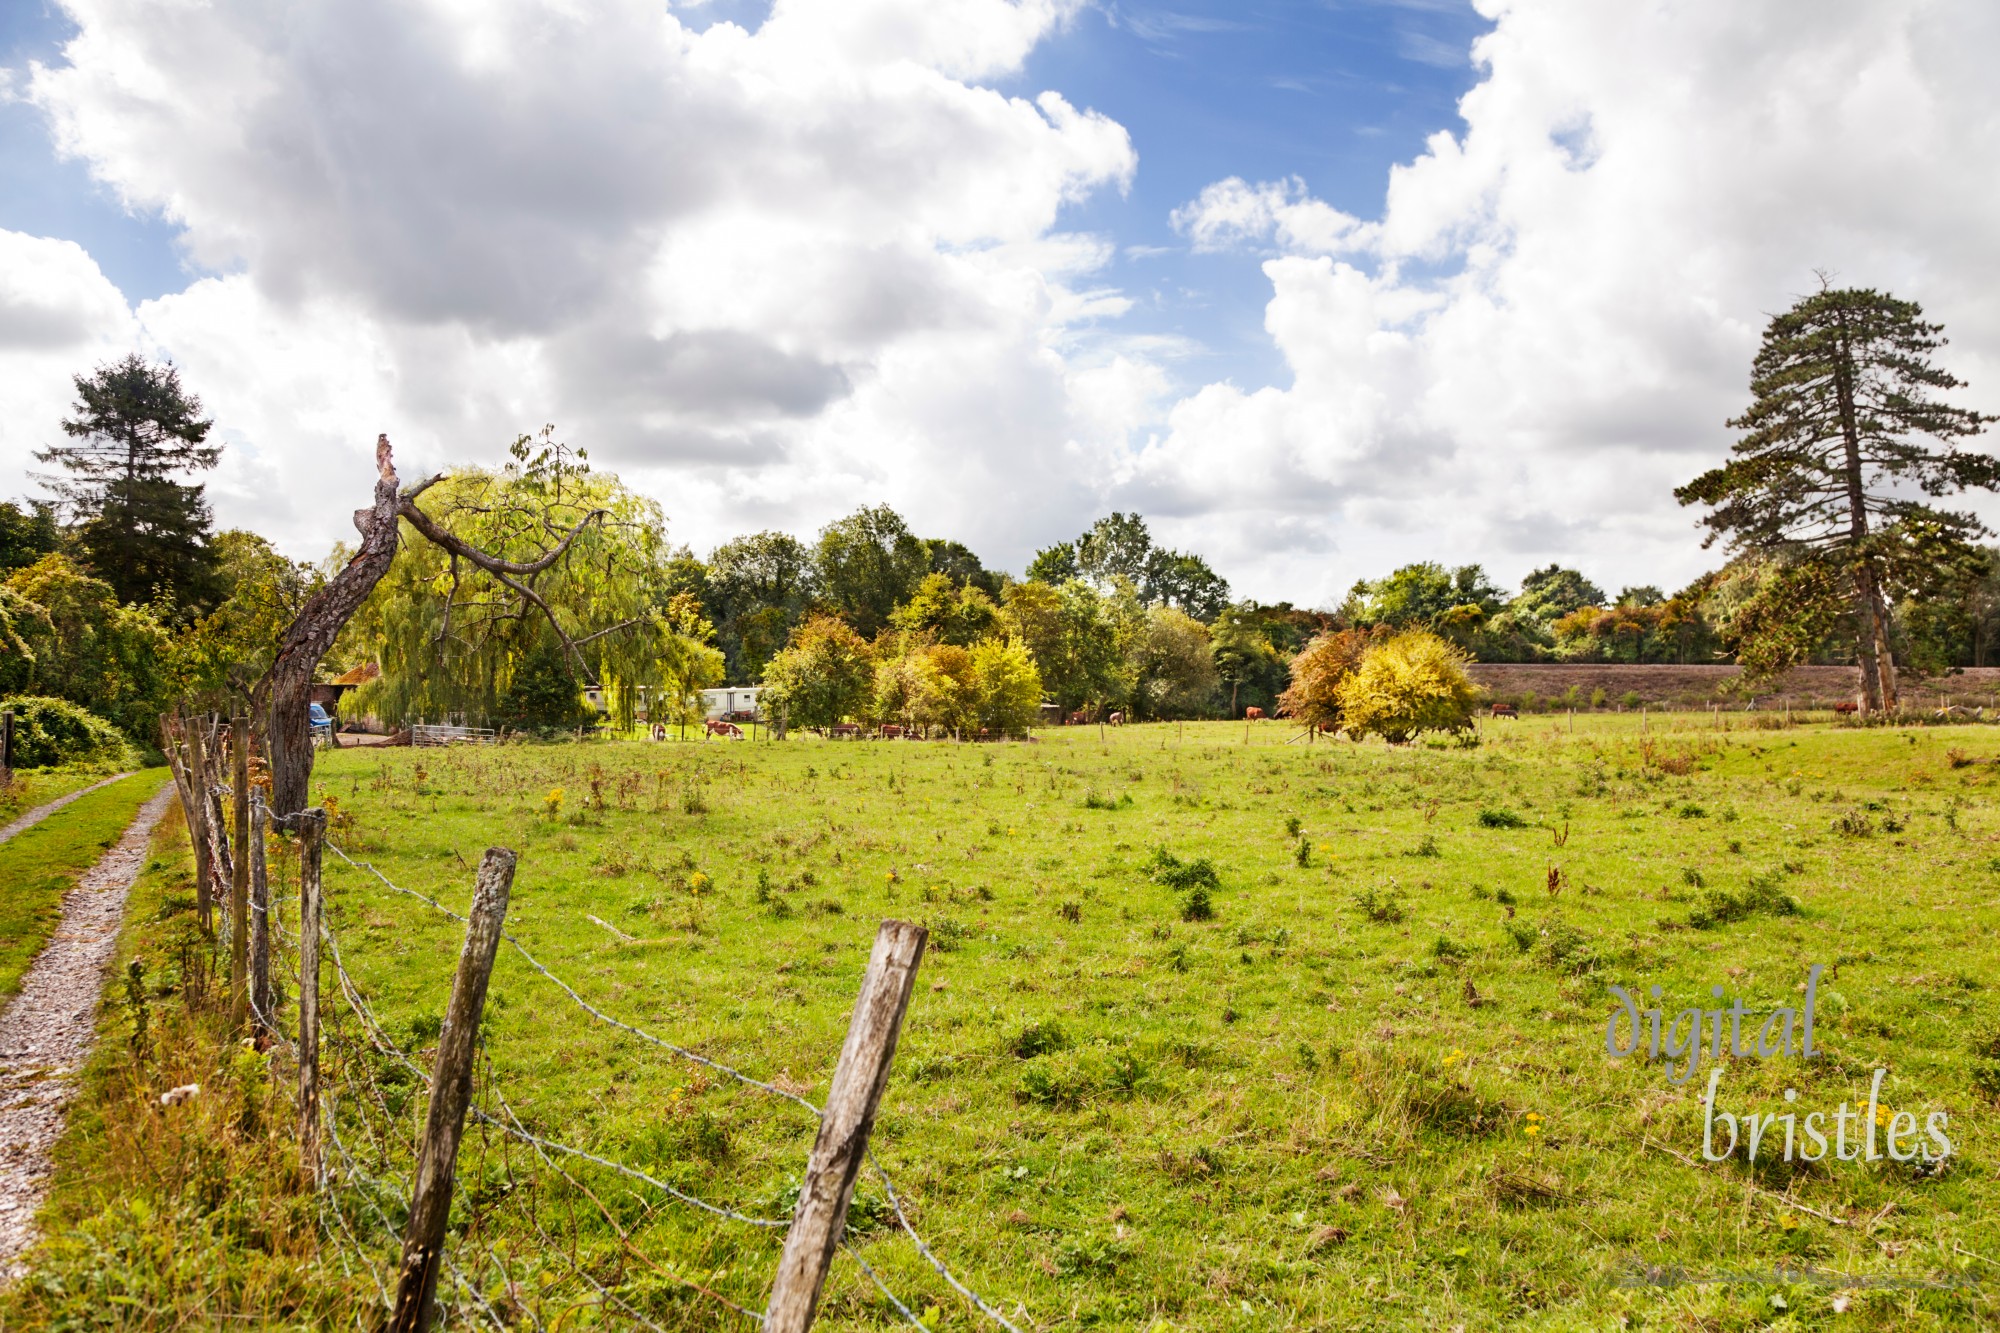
x,y
135,431
1843,444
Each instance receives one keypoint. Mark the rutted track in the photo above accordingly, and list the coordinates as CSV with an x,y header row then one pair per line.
x,y
48,1030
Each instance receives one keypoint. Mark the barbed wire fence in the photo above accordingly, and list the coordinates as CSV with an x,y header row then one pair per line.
x,y
536,1229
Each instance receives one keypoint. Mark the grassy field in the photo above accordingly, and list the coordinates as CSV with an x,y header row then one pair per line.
x,y
1369,1089
39,865
38,786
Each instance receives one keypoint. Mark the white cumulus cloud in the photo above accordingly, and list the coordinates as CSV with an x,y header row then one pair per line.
x,y
768,275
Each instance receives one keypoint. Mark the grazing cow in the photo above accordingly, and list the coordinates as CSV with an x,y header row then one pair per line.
x,y
1848,706
890,731
1116,719
659,732
1505,710
1253,714
841,729
727,730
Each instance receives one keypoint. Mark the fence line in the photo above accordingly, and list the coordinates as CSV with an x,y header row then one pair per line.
x,y
360,1182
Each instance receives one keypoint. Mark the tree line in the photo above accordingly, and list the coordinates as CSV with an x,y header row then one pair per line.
x,y
511,590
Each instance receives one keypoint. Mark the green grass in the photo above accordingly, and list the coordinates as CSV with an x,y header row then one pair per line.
x,y
38,786
39,865
1368,1090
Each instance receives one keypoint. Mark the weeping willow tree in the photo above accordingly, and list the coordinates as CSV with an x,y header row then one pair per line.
x,y
451,633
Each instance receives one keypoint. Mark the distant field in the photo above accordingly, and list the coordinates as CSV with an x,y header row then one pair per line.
x,y
1372,1091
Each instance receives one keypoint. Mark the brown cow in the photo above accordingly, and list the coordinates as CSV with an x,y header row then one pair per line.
x,y
1253,715
1505,710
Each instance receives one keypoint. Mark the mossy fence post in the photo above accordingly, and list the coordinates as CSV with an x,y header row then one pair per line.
x,y
262,998
312,838
842,1144
239,880
451,1092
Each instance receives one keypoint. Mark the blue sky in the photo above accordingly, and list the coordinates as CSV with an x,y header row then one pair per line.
x,y
1334,93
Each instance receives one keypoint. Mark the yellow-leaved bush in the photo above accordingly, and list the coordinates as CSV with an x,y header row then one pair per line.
x,y
1407,684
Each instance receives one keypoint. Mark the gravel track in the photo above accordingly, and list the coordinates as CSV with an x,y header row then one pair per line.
x,y
48,1030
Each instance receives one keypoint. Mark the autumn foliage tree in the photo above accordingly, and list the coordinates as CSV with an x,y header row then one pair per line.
x,y
1318,672
1406,685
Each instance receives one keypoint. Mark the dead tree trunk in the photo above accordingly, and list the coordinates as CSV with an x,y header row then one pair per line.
x,y
288,685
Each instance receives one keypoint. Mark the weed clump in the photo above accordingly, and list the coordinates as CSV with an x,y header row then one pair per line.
x,y
1447,950
1761,897
1093,801
1196,882
1039,1037
1565,948
1501,819
1385,905
947,933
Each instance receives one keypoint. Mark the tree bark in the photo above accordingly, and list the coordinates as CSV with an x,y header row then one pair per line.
x,y
1871,643
290,679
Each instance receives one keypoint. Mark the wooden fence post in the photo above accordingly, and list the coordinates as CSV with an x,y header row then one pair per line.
x,y
451,1091
837,1153
261,999
7,740
204,854
312,836
239,881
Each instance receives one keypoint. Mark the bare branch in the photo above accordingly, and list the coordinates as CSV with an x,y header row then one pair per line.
x,y
493,564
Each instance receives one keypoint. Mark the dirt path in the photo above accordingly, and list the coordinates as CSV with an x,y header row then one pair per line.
x,y
49,1029
41,812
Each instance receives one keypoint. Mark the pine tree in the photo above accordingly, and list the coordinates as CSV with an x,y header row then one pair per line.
x,y
1833,467
141,530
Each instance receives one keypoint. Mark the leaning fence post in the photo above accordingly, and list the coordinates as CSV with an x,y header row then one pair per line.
x,y
261,1000
837,1153
312,834
239,880
451,1091
204,846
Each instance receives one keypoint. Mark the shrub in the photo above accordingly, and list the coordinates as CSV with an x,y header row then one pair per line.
x,y
49,731
1501,819
1407,685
